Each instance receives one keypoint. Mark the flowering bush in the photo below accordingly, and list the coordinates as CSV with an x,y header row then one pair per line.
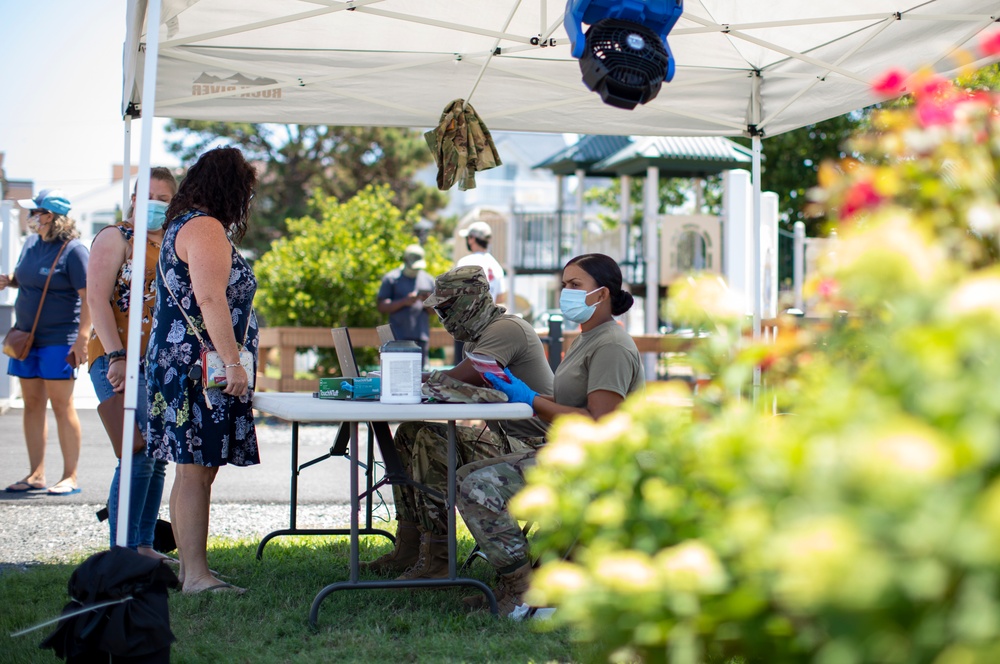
x,y
862,524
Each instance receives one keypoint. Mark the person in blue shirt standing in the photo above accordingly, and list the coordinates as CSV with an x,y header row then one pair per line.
x,y
402,296
48,373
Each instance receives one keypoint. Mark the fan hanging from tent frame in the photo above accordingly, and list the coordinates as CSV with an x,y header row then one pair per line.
x,y
624,56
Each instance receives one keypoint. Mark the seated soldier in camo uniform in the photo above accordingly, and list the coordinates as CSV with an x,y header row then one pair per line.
x,y
463,303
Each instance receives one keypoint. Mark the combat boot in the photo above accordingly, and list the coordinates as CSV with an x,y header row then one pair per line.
x,y
403,556
432,562
509,592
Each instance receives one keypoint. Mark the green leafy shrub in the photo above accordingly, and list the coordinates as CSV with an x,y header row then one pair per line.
x,y
327,269
862,524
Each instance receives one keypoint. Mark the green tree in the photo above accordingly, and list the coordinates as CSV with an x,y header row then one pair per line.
x,y
327,270
299,161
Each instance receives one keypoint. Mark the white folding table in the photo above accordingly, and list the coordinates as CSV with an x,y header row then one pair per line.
x,y
301,408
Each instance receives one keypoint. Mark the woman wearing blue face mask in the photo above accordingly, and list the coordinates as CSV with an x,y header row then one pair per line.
x,y
600,370
602,366
109,277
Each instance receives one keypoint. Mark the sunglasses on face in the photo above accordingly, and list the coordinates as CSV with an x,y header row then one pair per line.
x,y
37,213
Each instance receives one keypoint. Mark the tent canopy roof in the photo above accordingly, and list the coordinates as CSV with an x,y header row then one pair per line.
x,y
774,65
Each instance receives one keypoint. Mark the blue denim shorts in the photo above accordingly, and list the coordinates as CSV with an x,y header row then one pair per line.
x,y
46,362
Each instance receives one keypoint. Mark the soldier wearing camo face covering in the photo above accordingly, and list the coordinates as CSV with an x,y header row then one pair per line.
x,y
462,301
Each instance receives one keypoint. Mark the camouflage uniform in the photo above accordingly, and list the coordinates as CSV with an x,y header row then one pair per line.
x,y
441,387
461,145
423,448
484,488
462,299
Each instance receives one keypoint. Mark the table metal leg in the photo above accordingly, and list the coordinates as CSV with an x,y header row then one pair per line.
x,y
293,507
294,502
452,580
355,505
452,535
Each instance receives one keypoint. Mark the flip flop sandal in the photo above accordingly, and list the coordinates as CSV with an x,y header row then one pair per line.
x,y
56,490
24,486
217,588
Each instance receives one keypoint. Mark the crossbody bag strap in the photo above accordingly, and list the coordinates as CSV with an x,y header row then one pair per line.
x,y
45,290
159,266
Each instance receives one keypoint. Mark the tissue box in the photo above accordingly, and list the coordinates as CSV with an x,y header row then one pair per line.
x,y
366,388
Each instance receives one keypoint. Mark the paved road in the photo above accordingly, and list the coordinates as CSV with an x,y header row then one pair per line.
x,y
324,483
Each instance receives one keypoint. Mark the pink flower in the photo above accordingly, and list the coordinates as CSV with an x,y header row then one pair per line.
x,y
860,196
828,288
890,83
933,112
989,43
933,86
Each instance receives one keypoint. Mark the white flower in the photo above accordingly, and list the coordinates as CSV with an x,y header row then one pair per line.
x,y
984,217
691,567
980,293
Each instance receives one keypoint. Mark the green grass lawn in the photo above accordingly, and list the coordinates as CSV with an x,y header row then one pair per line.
x,y
271,622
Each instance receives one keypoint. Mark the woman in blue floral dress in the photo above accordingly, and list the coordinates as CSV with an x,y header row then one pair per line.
x,y
205,291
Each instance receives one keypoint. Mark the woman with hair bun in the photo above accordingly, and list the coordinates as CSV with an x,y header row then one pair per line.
x,y
600,370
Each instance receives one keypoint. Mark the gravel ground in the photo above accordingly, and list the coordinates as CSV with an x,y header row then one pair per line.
x,y
60,533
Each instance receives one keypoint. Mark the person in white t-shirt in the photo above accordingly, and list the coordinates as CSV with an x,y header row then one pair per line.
x,y
477,240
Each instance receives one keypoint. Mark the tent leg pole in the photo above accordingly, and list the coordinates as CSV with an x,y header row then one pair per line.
x,y
757,285
137,289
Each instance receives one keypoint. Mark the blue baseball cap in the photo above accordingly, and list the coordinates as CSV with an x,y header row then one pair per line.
x,y
52,200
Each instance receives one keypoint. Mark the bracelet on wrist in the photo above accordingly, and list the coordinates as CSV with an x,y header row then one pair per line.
x,y
234,364
115,353
116,359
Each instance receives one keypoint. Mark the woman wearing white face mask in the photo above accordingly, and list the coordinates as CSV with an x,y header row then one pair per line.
x,y
601,368
109,280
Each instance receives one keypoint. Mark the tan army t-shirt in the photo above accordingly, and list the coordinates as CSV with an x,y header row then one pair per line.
x,y
604,358
514,344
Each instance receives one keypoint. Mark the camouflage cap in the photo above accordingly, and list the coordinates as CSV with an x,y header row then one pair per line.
x,y
464,280
462,301
445,389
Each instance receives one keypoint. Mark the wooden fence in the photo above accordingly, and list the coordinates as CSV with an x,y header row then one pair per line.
x,y
287,340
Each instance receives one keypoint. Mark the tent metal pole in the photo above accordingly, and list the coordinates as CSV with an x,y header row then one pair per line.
x,y
799,264
486,62
510,255
757,283
623,232
578,231
138,258
626,205
651,241
756,114
127,165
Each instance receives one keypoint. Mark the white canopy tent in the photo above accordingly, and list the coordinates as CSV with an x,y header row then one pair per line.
x,y
743,68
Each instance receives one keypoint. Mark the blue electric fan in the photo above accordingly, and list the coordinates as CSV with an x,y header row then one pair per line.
x,y
624,56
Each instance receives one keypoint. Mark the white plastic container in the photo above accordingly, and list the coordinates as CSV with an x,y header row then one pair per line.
x,y
400,367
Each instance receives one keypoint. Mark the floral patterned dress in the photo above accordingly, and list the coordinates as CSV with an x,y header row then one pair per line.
x,y
187,423
122,292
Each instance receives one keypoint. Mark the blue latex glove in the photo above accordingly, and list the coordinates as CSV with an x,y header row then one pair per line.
x,y
516,390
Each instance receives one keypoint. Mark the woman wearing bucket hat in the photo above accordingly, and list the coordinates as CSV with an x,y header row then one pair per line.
x,y
51,278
